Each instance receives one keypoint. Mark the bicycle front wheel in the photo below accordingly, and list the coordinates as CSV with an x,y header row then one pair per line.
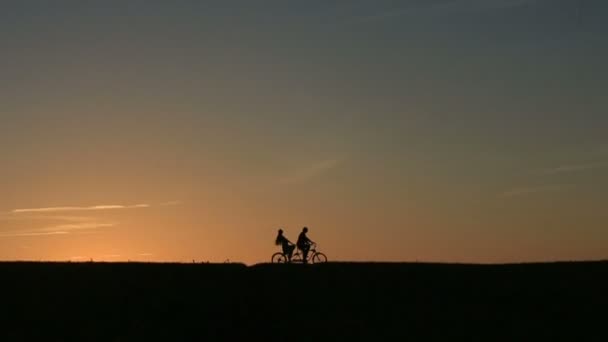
x,y
319,258
279,258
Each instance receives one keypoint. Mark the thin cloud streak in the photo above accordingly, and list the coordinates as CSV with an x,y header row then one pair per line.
x,y
574,168
15,234
62,229
91,208
81,226
171,203
34,217
71,225
311,171
535,189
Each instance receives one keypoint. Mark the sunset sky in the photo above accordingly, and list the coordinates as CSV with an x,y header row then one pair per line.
x,y
429,130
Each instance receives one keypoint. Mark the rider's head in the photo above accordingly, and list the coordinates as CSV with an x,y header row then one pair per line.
x,y
305,229
280,231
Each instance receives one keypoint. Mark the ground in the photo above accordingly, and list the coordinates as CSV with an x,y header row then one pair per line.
x,y
334,301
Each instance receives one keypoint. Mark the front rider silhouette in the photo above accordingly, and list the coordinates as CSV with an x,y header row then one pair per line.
x,y
287,245
304,244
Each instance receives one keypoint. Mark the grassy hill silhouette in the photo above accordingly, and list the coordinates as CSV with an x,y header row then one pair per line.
x,y
334,301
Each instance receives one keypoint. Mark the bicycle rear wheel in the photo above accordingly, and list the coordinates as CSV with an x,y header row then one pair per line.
x,y
319,258
279,258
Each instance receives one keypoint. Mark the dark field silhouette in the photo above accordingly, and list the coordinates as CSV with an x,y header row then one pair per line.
x,y
333,301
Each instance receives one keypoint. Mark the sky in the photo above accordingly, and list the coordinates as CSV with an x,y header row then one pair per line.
x,y
412,130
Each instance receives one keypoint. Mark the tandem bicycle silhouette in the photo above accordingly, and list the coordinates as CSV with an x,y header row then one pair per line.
x,y
314,256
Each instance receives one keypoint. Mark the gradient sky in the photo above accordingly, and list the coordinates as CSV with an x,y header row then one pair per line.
x,y
430,130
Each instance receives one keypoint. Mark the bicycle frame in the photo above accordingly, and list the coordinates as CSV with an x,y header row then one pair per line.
x,y
311,252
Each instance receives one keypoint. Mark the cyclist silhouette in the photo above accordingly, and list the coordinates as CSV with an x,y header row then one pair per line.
x,y
287,245
304,243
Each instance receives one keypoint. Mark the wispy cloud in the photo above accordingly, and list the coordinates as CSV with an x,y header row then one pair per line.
x,y
564,169
521,191
311,171
573,168
32,233
65,223
61,229
170,203
91,208
79,226
36,217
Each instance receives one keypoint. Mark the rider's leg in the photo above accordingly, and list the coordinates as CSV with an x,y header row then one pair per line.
x,y
287,251
305,255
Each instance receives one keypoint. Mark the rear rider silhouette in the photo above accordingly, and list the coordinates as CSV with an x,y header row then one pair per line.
x,y
287,245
